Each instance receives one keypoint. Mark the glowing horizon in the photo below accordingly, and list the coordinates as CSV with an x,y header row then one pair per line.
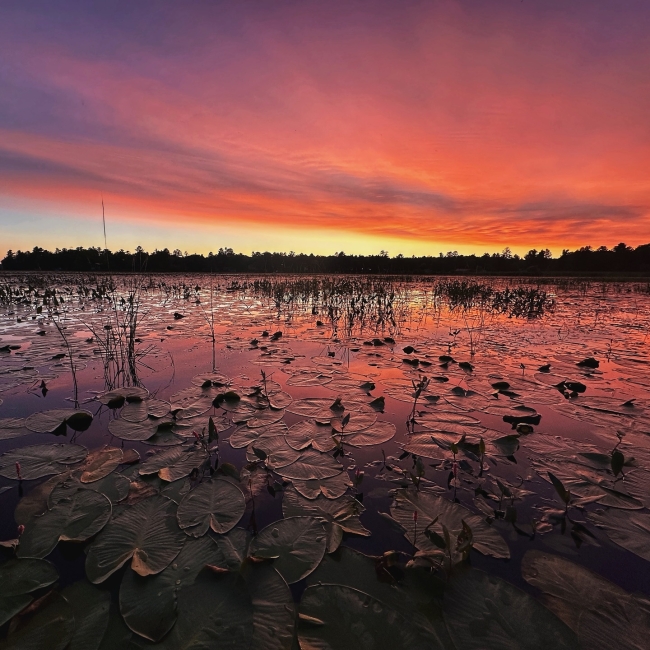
x,y
313,127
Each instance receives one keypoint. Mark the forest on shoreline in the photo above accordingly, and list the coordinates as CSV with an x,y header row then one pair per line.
x,y
621,260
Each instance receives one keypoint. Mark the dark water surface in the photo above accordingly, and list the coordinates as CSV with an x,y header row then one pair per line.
x,y
460,538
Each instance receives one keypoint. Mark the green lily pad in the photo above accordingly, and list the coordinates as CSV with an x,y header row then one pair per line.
x,y
116,398
337,617
310,433
146,533
37,461
51,421
630,530
273,607
90,607
19,578
310,464
214,612
603,615
297,545
12,428
215,504
332,487
51,626
75,515
126,430
100,463
430,505
148,604
484,612
376,434
174,463
343,512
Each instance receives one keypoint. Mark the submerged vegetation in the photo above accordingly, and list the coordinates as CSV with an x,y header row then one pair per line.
x,y
323,462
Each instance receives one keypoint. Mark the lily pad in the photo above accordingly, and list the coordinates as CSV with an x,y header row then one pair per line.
x,y
90,607
376,434
148,604
19,578
603,615
12,428
336,617
430,505
332,487
297,545
100,463
50,626
51,421
310,464
631,530
311,433
37,461
484,612
146,533
116,398
126,430
214,612
75,515
215,504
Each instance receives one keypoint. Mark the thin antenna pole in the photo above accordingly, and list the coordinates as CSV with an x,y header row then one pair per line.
x,y
104,224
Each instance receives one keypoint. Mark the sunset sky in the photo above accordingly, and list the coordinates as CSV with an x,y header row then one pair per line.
x,y
414,127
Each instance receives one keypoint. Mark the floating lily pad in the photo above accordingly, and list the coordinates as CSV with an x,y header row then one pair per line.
x,y
631,530
214,612
332,487
376,434
37,461
52,421
311,433
310,464
297,545
344,511
19,579
12,428
116,398
336,617
174,463
100,463
75,515
126,430
148,604
215,504
90,607
146,533
603,615
50,626
484,612
430,505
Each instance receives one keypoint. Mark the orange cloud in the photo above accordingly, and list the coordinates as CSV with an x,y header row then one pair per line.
x,y
446,123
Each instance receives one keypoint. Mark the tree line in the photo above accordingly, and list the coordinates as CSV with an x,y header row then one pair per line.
x,y
619,260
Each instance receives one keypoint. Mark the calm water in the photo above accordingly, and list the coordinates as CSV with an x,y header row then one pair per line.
x,y
515,380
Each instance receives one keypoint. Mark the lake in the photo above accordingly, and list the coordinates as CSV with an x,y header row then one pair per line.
x,y
334,462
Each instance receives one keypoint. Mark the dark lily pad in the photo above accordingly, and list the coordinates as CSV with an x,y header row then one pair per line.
x,y
146,533
484,612
37,461
215,504
52,421
297,545
19,579
75,515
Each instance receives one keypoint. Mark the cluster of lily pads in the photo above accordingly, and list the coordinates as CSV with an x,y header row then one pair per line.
x,y
454,440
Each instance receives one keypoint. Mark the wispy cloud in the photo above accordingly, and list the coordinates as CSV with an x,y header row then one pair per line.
x,y
447,122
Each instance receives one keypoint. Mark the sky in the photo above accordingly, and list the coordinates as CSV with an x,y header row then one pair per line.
x,y
325,126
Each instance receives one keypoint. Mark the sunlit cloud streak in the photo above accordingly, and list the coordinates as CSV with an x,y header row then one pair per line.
x,y
480,124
